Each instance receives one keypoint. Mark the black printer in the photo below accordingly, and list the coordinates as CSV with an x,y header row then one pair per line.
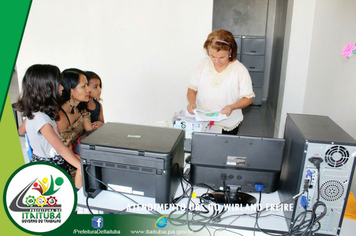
x,y
134,159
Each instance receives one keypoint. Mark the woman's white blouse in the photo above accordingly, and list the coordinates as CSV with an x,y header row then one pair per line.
x,y
216,90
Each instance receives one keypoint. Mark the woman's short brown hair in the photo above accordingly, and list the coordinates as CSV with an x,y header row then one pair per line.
x,y
222,40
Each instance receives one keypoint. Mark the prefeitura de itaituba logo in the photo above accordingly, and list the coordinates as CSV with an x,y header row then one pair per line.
x,y
43,203
42,207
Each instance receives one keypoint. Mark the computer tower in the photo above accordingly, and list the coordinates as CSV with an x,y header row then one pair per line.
x,y
313,139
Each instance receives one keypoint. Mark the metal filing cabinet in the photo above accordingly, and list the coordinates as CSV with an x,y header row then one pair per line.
x,y
251,53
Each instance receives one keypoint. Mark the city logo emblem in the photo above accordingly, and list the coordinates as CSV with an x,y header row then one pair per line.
x,y
97,222
161,222
42,204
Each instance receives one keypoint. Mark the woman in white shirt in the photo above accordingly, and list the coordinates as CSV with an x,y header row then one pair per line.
x,y
221,82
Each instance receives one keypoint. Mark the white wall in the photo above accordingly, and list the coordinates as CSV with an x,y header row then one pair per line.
x,y
316,78
295,60
144,51
331,84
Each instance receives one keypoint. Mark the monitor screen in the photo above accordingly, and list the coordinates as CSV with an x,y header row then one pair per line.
x,y
240,162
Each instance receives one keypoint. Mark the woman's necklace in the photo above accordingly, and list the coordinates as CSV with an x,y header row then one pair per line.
x,y
72,106
71,110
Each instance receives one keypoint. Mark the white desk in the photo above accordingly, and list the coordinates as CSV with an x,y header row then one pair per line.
x,y
111,202
232,220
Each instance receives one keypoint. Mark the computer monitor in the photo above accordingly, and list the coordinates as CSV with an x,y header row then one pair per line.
x,y
239,163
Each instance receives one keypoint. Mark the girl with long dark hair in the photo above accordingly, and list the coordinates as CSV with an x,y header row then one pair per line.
x,y
40,104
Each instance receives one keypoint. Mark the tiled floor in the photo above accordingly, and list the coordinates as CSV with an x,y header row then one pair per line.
x,y
257,122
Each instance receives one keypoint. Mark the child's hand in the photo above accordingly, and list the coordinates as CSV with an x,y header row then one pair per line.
x,y
97,124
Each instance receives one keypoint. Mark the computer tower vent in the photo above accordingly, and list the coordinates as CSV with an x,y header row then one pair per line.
x,y
320,154
332,190
337,156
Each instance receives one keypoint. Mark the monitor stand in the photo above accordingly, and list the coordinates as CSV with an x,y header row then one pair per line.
x,y
242,199
231,197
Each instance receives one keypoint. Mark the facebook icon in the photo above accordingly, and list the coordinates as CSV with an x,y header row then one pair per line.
x,y
97,222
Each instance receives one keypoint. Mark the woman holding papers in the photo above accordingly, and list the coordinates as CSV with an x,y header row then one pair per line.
x,y
221,82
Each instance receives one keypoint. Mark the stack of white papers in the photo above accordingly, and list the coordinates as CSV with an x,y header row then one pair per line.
x,y
186,121
201,115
